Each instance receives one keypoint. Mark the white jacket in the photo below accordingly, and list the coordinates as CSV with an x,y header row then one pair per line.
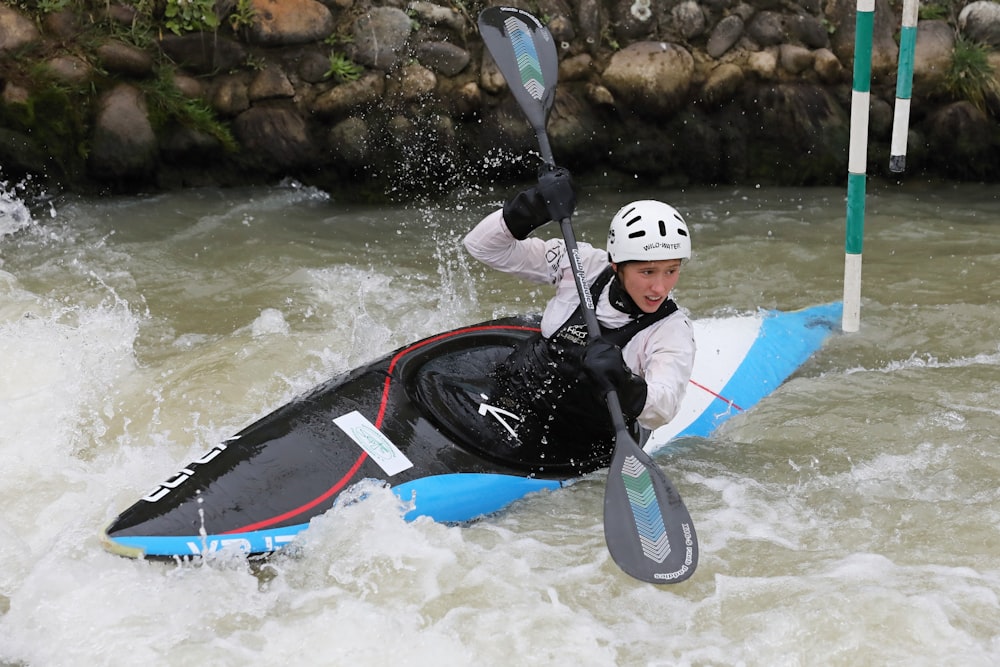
x,y
662,353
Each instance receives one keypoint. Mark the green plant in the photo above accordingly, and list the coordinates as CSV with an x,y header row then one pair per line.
x,y
255,62
168,104
343,68
971,77
145,8
414,19
55,114
336,39
932,12
607,36
242,15
190,16
51,6
140,32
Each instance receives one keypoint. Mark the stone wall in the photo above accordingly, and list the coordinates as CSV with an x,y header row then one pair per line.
x,y
399,98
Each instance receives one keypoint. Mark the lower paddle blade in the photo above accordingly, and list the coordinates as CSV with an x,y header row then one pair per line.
x,y
525,52
647,527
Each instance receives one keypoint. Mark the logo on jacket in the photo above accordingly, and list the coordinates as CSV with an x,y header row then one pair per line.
x,y
574,334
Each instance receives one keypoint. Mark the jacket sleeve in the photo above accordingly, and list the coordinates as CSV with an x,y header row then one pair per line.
x,y
533,259
664,356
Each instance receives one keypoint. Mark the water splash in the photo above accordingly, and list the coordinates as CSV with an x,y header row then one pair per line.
x,y
14,213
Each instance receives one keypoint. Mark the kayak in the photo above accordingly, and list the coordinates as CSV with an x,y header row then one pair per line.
x,y
420,421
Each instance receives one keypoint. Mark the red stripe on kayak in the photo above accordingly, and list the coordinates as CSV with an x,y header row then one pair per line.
x,y
721,398
343,481
312,503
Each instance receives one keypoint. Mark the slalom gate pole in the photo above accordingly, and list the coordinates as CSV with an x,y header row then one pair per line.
x,y
904,86
857,163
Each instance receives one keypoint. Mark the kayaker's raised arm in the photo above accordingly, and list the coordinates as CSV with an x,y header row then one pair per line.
x,y
501,239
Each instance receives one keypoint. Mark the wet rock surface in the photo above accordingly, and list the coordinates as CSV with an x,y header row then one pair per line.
x,y
402,99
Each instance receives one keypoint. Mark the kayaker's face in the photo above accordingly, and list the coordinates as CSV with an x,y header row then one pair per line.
x,y
649,283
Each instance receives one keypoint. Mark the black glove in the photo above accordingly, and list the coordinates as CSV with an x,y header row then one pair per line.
x,y
604,364
554,198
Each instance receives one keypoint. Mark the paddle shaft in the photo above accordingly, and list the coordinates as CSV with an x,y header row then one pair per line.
x,y
590,317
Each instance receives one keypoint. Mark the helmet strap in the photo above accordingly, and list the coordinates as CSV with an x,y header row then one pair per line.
x,y
619,298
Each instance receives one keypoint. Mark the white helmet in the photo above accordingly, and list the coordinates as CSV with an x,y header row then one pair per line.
x,y
648,230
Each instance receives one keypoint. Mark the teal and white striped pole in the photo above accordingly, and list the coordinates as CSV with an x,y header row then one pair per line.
x,y
904,86
856,164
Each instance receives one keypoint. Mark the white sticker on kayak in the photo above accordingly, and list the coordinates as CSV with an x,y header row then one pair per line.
x,y
379,447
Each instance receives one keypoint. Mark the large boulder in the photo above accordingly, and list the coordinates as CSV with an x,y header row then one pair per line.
x,y
434,14
980,22
341,100
203,52
271,82
688,19
932,57
767,28
652,78
574,129
725,34
274,138
69,69
415,82
380,37
117,56
230,94
722,84
124,146
285,22
20,154
796,133
350,143
964,141
16,30
443,57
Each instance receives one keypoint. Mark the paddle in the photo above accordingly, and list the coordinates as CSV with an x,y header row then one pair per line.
x,y
648,529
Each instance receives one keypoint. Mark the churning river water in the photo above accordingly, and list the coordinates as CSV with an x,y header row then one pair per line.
x,y
852,518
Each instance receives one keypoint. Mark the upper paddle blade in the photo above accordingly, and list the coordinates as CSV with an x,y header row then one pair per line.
x,y
525,52
647,527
